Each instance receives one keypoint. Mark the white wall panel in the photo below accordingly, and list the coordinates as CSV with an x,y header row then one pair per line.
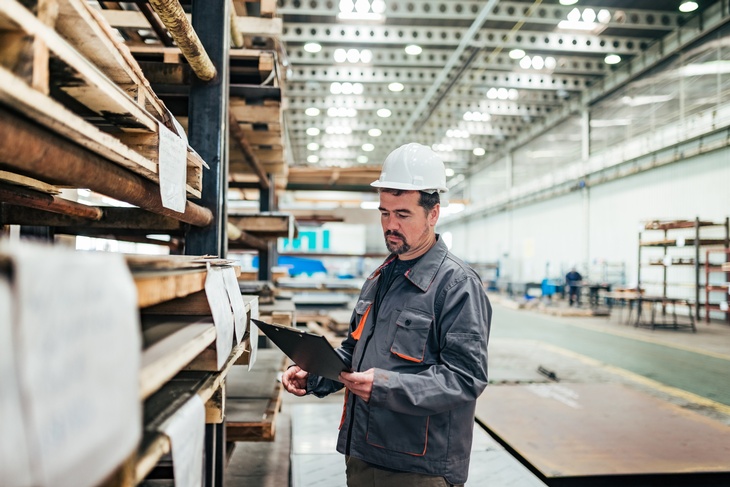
x,y
600,224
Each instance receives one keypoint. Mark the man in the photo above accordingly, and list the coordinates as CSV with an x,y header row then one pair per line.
x,y
417,344
573,280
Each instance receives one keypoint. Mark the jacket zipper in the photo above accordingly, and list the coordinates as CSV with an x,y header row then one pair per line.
x,y
354,397
375,309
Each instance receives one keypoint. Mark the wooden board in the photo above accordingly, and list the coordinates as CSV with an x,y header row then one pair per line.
x,y
15,93
158,287
266,225
175,345
163,404
269,113
85,82
87,31
26,182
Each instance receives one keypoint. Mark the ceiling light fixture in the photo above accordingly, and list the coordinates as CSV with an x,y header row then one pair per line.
x,y
375,132
312,47
312,131
340,55
396,87
516,54
589,15
413,49
312,111
313,146
368,147
361,10
526,62
336,88
449,172
478,151
477,117
568,2
312,159
384,113
686,7
335,130
353,55
604,16
612,59
362,160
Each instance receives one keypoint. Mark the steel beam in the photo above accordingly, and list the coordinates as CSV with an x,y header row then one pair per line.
x,y
507,12
394,35
208,116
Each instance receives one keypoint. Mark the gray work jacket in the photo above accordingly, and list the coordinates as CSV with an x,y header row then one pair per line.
x,y
429,351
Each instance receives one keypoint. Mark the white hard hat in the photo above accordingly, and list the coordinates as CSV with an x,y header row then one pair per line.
x,y
413,167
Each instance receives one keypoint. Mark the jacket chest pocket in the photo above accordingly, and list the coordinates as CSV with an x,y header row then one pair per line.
x,y
411,335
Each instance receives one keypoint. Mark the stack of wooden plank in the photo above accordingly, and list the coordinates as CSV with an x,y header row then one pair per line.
x,y
63,67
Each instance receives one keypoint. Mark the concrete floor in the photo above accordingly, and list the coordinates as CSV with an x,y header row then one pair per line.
x,y
683,368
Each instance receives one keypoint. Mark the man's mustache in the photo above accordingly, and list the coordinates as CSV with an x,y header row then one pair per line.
x,y
388,233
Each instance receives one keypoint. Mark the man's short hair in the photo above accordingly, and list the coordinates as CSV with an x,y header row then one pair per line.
x,y
426,200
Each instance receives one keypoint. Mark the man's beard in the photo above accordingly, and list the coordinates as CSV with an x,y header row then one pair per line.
x,y
395,248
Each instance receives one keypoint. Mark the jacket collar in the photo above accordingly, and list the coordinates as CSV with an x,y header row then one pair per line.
x,y
423,273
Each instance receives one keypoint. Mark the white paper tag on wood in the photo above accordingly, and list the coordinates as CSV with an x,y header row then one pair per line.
x,y
254,333
77,351
186,430
220,308
172,169
15,462
239,310
723,306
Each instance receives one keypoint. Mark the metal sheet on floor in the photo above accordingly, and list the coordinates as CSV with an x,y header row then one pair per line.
x,y
593,430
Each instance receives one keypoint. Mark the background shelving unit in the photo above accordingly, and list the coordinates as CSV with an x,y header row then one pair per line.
x,y
671,253
717,282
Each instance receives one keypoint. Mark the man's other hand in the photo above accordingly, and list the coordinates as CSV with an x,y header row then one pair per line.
x,y
295,380
359,383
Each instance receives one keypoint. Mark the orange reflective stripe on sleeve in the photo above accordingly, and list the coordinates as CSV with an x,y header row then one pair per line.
x,y
344,409
358,332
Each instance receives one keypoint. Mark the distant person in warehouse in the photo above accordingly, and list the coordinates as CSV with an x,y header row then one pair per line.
x,y
417,344
573,281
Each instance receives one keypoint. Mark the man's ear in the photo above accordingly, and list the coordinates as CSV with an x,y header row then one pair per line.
x,y
433,215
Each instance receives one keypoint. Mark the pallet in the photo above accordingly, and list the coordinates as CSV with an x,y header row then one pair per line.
x,y
253,399
100,91
266,225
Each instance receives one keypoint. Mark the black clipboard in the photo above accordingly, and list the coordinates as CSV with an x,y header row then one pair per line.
x,y
311,352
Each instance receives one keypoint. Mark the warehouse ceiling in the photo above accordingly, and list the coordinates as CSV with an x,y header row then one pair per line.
x,y
467,78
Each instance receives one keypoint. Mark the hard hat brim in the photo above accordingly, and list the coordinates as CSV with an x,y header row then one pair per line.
x,y
406,187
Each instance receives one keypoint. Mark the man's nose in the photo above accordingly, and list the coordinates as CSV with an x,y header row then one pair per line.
x,y
390,223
